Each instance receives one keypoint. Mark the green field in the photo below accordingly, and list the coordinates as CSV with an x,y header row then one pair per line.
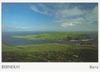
x,y
55,36
51,52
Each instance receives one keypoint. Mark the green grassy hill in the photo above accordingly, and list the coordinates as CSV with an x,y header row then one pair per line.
x,y
55,36
51,52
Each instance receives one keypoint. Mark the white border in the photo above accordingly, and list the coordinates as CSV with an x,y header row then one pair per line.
x,y
52,67
0,37
50,0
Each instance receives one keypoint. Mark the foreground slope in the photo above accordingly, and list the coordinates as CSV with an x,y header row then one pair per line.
x,y
51,52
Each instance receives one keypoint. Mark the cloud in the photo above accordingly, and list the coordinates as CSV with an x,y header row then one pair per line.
x,y
71,22
67,24
60,12
67,15
40,8
6,27
24,28
18,28
56,10
90,19
92,16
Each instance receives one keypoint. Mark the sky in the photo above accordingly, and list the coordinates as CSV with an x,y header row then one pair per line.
x,y
49,16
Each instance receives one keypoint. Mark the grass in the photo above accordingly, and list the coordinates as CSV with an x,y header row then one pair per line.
x,y
51,52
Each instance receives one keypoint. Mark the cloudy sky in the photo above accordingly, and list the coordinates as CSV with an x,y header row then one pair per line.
x,y
50,16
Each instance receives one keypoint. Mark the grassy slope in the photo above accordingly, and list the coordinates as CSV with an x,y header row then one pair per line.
x,y
54,36
50,52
